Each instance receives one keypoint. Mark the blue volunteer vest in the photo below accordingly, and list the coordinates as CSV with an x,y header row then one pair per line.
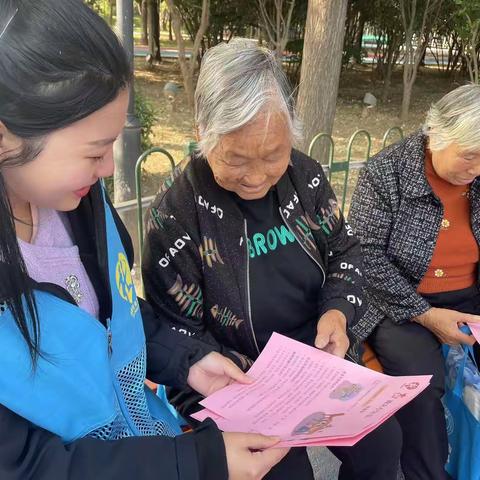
x,y
90,379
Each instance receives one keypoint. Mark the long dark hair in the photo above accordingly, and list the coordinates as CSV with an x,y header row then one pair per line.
x,y
59,62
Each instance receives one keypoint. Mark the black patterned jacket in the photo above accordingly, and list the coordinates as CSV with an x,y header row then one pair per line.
x,y
397,217
195,267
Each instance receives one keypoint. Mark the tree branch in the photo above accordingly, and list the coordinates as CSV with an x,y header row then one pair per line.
x,y
200,33
267,22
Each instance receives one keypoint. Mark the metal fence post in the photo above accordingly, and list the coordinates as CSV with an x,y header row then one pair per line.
x,y
138,183
389,132
349,157
331,149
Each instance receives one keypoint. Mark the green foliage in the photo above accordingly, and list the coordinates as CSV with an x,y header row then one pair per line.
x,y
295,46
230,17
467,17
227,18
147,117
103,7
293,60
467,25
355,52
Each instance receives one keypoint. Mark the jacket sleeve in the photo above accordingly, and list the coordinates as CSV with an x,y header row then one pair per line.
x,y
173,284
169,353
172,277
372,219
29,452
343,288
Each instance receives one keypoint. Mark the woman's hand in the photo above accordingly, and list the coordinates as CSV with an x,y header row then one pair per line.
x,y
445,324
247,458
213,372
332,333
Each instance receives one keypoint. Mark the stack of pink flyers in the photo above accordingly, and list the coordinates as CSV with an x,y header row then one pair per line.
x,y
309,397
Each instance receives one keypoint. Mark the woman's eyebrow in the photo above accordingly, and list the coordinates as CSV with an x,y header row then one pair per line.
x,y
102,142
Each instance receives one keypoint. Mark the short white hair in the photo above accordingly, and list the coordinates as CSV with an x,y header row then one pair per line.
x,y
237,81
455,118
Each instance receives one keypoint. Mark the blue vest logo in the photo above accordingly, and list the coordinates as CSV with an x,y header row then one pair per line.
x,y
124,281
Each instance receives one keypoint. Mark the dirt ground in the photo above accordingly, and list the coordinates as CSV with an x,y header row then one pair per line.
x,y
174,127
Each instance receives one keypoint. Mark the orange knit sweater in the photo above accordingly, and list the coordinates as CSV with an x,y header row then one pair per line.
x,y
455,258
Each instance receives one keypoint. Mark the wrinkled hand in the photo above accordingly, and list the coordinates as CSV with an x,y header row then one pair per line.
x,y
247,458
332,333
444,324
213,372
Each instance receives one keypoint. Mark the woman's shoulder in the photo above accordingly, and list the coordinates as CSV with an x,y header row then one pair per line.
x,y
177,184
302,161
305,169
399,155
398,170
187,185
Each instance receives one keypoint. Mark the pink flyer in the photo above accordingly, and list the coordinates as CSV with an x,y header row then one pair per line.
x,y
302,393
475,329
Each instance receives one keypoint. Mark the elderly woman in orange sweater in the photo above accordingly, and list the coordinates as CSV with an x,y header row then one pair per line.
x,y
416,211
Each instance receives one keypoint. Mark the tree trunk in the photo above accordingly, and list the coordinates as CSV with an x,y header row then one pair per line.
x,y
392,57
144,22
414,55
156,32
474,50
407,95
153,32
321,65
359,33
164,19
187,67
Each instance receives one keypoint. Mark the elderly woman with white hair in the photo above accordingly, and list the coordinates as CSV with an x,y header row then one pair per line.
x,y
416,210
249,240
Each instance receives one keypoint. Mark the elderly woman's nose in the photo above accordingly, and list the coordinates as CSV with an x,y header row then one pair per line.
x,y
256,178
474,170
257,169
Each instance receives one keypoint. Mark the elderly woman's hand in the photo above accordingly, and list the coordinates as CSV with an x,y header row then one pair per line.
x,y
444,323
332,333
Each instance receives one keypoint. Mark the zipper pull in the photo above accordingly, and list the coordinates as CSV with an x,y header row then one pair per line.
x,y
109,338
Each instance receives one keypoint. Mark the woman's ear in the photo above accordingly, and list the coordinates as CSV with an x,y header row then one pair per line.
x,y
8,141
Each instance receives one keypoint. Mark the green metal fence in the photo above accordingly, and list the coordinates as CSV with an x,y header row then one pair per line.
x,y
331,148
345,166
389,132
138,183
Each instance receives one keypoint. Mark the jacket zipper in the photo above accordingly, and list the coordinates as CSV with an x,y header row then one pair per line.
x,y
303,247
109,338
102,239
249,309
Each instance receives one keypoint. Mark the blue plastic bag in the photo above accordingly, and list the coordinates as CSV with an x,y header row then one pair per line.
x,y
462,411
161,392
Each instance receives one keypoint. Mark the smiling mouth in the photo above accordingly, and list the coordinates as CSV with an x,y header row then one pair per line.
x,y
82,192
